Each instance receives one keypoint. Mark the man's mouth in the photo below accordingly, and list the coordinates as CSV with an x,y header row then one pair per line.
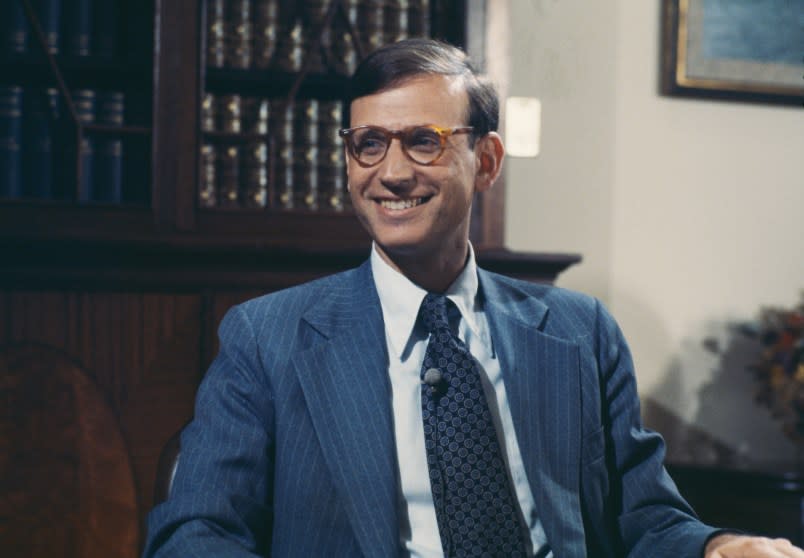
x,y
398,205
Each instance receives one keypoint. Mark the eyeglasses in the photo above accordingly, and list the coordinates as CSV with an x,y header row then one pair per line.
x,y
368,145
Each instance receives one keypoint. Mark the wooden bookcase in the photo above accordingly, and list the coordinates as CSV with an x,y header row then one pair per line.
x,y
131,293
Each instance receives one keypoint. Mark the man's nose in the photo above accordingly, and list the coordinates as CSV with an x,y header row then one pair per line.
x,y
397,169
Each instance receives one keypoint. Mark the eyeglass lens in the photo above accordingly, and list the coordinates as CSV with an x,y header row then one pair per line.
x,y
422,144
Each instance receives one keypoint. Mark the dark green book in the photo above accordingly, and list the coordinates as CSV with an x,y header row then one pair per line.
x,y
13,26
84,100
108,172
77,27
10,139
105,28
39,119
49,14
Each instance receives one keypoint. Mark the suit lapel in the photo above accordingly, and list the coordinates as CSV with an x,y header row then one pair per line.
x,y
541,375
346,385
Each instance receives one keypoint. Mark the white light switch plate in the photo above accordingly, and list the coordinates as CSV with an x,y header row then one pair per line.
x,y
523,122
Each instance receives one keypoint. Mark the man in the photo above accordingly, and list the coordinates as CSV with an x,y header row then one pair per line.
x,y
366,414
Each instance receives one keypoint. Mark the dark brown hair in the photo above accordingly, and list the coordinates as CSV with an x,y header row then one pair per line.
x,y
392,64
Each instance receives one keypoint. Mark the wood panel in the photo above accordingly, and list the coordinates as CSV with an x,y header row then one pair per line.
x,y
66,484
142,350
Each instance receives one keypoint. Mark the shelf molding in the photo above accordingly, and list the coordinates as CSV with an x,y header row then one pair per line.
x,y
184,265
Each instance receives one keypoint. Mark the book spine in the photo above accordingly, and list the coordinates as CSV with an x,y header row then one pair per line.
x,y
306,152
14,27
216,34
228,195
105,27
292,42
283,126
209,106
10,140
255,170
49,14
395,26
331,159
208,180
314,13
229,113
108,172
344,53
84,100
208,185
256,114
40,114
370,21
419,18
77,27
266,32
238,35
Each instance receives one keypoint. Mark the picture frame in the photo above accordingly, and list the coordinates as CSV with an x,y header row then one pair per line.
x,y
741,51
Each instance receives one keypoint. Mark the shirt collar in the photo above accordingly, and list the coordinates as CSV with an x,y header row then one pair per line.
x,y
400,299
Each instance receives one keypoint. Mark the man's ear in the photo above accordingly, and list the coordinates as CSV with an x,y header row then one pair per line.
x,y
490,153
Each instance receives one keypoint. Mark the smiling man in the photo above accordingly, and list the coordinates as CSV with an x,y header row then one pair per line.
x,y
419,405
414,195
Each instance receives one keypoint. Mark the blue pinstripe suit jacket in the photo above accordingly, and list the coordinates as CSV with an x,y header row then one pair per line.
x,y
291,451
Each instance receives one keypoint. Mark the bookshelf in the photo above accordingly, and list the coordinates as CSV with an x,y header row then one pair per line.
x,y
76,91
162,64
129,286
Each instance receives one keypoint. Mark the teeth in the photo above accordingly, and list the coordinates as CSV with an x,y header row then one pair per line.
x,y
401,204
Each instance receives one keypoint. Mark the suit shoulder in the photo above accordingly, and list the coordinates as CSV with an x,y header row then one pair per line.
x,y
295,300
559,312
548,294
559,297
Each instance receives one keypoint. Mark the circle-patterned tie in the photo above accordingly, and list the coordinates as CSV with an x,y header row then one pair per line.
x,y
474,501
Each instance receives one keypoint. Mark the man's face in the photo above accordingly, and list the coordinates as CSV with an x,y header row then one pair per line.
x,y
409,209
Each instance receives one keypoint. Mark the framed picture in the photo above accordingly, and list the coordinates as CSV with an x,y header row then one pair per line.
x,y
748,50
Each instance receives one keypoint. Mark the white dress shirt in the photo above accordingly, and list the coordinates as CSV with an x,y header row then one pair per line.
x,y
400,300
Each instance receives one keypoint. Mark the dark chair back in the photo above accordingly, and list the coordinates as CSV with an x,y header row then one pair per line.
x,y
166,468
66,482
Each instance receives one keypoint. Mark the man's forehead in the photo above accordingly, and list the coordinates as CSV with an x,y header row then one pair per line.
x,y
433,96
451,83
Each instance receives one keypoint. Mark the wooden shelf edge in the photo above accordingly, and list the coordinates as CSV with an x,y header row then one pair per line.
x,y
532,266
176,265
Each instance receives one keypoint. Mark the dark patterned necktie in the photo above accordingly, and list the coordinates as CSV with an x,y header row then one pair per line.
x,y
474,501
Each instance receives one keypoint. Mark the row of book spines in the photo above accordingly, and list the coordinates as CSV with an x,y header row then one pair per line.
x,y
301,122
71,27
38,155
236,177
262,33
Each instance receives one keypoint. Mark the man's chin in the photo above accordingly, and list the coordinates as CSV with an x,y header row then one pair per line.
x,y
401,249
404,249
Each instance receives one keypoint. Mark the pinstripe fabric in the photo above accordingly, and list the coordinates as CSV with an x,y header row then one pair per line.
x,y
291,450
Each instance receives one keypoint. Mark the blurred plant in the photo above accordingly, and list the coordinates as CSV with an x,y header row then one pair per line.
x,y
780,369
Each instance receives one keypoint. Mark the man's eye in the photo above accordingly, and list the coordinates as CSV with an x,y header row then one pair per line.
x,y
424,140
370,145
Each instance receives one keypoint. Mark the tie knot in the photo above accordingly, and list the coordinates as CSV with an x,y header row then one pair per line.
x,y
433,312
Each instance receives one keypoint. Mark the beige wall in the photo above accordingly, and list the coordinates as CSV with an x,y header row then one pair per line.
x,y
689,213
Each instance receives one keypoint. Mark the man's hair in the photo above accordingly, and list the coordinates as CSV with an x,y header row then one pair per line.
x,y
392,64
